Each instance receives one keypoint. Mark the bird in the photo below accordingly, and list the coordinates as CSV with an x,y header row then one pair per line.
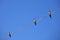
x,y
49,13
9,34
34,21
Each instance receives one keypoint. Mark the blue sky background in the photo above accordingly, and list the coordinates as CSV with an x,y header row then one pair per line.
x,y
16,16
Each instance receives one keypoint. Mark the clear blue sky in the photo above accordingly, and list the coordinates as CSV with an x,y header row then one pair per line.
x,y
16,16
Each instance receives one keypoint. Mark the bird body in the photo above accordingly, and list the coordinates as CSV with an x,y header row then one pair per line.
x,y
35,22
49,14
9,34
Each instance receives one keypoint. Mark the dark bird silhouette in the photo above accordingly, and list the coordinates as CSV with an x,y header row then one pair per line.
x,y
34,21
49,13
9,34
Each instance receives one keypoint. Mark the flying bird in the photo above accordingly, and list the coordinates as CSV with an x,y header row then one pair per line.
x,y
49,13
9,34
34,21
